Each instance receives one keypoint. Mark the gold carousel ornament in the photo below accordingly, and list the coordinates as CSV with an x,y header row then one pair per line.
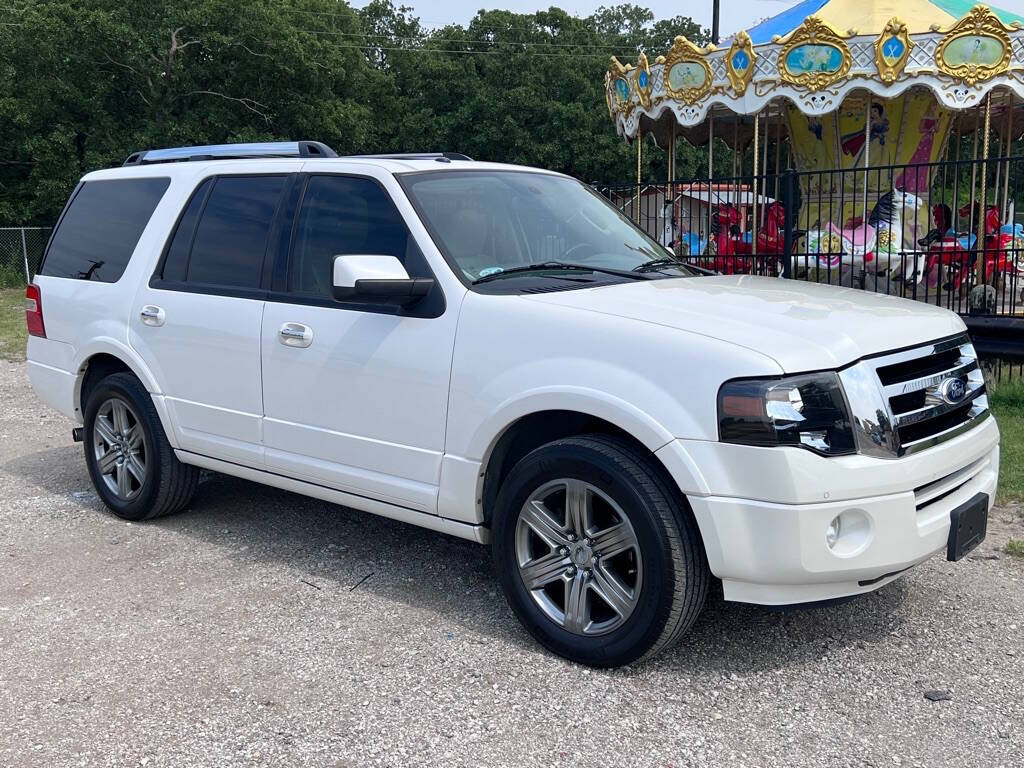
x,y
617,88
892,50
740,63
976,49
643,80
687,74
814,56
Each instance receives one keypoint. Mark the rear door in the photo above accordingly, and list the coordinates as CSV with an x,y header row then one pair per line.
x,y
197,323
362,407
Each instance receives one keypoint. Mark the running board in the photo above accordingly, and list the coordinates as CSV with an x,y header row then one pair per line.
x,y
477,533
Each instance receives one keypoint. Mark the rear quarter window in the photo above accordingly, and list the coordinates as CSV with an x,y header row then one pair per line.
x,y
101,227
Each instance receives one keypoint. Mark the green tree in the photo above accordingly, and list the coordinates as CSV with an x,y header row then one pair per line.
x,y
85,82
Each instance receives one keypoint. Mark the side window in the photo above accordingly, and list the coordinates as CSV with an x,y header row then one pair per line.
x,y
231,238
176,262
101,227
342,215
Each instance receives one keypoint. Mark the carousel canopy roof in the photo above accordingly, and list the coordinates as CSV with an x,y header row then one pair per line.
x,y
869,16
815,54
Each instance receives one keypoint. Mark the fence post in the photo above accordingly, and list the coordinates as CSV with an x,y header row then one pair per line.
x,y
789,202
24,252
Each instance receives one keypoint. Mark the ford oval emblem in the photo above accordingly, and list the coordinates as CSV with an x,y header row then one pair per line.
x,y
953,391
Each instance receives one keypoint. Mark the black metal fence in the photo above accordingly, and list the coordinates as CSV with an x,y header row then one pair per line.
x,y
944,233
1004,370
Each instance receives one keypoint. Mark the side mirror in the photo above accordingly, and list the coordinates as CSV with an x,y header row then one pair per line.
x,y
376,280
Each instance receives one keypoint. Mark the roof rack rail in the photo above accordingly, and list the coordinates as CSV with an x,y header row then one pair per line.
x,y
305,149
414,156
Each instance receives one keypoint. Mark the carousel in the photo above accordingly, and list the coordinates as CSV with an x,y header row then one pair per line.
x,y
891,122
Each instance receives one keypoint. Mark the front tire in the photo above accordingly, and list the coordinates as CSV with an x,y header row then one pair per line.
x,y
598,556
130,461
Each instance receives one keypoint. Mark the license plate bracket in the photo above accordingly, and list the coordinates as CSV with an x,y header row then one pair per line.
x,y
968,525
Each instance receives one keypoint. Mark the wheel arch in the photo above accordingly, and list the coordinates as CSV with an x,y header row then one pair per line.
x,y
104,357
532,429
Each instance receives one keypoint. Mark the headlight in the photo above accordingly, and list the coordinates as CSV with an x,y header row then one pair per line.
x,y
806,411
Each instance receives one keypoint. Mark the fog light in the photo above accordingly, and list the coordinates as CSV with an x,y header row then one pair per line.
x,y
849,533
833,531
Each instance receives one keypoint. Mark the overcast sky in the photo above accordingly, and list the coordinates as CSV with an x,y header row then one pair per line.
x,y
736,14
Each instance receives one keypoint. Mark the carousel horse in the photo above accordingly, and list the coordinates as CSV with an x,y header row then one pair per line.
x,y
956,254
771,239
724,245
887,219
858,243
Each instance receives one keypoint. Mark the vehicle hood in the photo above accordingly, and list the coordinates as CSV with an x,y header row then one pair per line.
x,y
802,326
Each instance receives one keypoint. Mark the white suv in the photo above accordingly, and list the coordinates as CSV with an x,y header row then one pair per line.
x,y
496,353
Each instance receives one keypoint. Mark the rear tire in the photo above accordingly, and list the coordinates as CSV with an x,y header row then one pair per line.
x,y
130,461
598,556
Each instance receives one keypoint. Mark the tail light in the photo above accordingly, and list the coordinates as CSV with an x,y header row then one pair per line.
x,y
34,311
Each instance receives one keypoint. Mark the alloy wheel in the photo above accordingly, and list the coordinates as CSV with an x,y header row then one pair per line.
x,y
578,557
119,447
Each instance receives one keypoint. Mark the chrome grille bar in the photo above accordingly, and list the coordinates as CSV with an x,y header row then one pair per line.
x,y
901,404
974,389
932,380
927,442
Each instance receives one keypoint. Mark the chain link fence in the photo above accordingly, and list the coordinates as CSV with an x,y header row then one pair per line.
x,y
21,251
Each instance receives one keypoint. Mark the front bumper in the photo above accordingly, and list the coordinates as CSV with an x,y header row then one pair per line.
x,y
770,547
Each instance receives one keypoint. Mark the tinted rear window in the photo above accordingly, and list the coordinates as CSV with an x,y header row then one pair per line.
x,y
231,240
101,228
176,263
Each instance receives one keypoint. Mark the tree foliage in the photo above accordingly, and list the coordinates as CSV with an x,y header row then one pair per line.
x,y
85,82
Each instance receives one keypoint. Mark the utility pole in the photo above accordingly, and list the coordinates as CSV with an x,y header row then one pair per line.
x,y
716,7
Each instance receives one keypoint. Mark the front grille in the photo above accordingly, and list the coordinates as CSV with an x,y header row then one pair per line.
x,y
907,401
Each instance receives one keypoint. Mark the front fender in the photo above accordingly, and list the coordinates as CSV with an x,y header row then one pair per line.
x,y
625,415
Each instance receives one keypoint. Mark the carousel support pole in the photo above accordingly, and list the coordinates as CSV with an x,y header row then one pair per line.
x,y
711,147
778,156
1009,149
672,154
753,231
997,187
954,215
764,156
979,265
639,158
737,162
711,175
671,171
974,170
867,167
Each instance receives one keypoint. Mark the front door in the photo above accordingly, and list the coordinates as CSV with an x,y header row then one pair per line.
x,y
355,396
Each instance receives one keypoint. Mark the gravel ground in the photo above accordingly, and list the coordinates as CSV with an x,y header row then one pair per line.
x,y
263,628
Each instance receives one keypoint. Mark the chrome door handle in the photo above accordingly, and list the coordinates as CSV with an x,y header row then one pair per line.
x,y
152,315
295,335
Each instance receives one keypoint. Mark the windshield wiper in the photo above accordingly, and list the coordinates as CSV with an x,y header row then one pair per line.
x,y
656,264
560,266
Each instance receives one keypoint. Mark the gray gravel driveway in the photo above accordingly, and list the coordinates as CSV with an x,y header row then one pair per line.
x,y
260,628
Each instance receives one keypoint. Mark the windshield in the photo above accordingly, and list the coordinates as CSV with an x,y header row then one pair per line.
x,y
532,225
